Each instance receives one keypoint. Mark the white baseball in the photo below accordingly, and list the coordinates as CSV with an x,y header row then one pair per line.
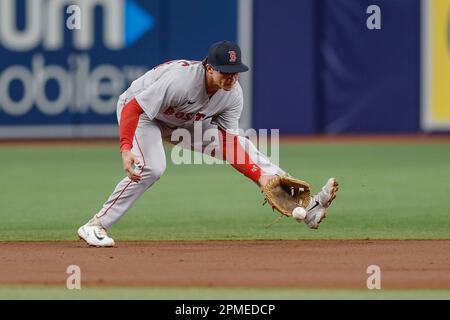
x,y
299,213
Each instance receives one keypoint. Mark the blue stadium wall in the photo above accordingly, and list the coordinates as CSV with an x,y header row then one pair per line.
x,y
67,89
316,67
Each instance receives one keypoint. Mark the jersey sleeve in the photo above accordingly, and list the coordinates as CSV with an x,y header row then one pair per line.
x,y
228,119
166,91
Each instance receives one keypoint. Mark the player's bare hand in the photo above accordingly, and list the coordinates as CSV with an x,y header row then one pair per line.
x,y
264,179
129,161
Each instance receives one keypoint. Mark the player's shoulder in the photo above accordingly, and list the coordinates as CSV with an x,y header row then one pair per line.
x,y
179,68
182,74
238,90
236,93
231,100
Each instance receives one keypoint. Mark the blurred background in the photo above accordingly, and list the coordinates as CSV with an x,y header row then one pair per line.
x,y
316,66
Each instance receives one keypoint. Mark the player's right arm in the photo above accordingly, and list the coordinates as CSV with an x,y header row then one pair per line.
x,y
128,123
167,90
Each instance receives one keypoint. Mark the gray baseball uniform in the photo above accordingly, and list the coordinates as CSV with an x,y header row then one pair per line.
x,y
173,96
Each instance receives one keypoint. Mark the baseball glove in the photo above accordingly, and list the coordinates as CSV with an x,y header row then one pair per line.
x,y
285,193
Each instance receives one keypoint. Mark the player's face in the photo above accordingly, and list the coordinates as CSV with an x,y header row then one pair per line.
x,y
225,81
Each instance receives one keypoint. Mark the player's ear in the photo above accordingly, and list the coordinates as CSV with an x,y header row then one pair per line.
x,y
209,68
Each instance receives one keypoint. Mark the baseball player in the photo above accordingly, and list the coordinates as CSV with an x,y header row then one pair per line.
x,y
177,95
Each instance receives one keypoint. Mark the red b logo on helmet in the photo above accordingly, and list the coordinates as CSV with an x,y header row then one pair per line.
x,y
232,55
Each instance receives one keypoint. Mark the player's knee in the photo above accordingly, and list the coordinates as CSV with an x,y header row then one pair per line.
x,y
153,173
158,171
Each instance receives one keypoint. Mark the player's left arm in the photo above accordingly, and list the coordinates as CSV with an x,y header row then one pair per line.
x,y
239,151
243,155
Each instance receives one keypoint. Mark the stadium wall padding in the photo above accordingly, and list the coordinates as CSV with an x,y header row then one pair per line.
x,y
284,66
319,69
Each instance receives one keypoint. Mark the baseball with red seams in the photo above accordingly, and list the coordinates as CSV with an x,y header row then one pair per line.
x,y
299,213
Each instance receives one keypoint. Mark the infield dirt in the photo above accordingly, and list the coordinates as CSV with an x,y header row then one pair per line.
x,y
294,264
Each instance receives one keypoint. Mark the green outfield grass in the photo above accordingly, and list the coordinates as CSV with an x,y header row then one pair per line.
x,y
394,191
119,293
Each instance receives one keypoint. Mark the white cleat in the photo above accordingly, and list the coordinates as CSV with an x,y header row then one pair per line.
x,y
317,209
95,236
